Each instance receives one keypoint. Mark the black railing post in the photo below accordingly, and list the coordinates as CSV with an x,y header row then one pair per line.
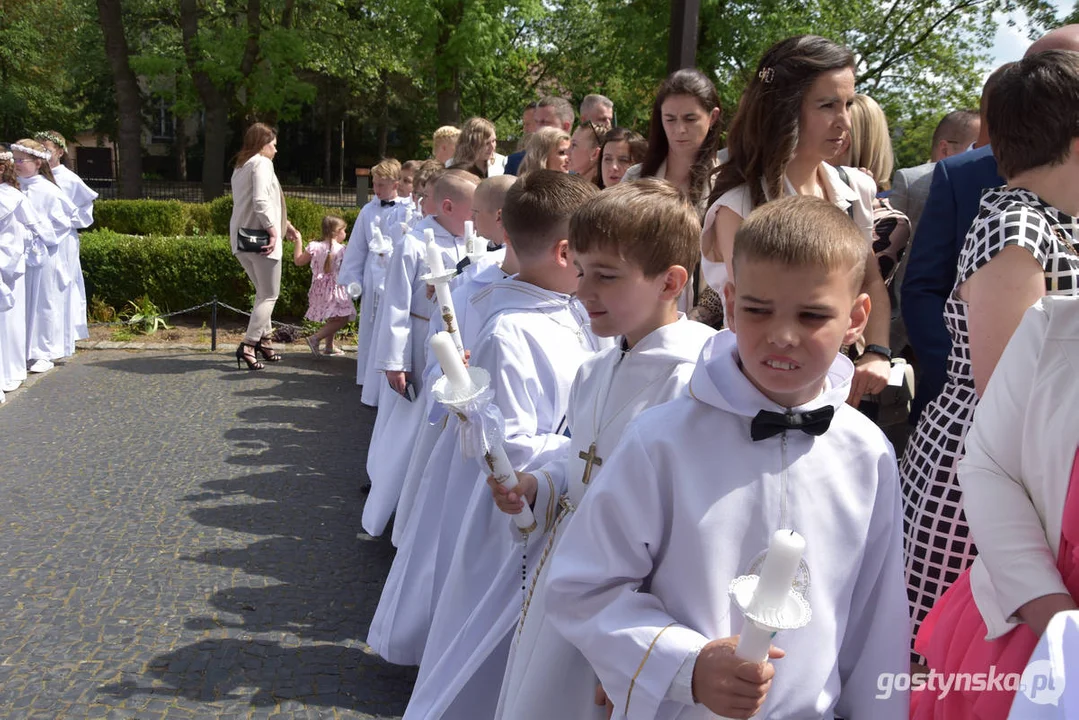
x,y
213,326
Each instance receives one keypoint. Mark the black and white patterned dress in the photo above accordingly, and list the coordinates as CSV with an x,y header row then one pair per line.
x,y
937,546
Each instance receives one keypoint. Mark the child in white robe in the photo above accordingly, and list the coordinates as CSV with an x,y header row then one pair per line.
x,y
402,353
402,619
478,272
689,499
49,285
20,229
385,211
634,246
533,339
83,198
372,380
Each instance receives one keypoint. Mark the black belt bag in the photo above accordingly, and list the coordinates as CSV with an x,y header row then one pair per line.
x,y
252,239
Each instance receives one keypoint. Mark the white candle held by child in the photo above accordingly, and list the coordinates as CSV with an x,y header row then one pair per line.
x,y
470,237
502,469
434,254
777,574
450,360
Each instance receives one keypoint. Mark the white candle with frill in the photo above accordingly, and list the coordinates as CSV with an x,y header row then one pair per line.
x,y
470,237
440,279
496,460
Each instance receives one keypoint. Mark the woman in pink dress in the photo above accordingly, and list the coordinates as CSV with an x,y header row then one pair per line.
x,y
1020,482
326,300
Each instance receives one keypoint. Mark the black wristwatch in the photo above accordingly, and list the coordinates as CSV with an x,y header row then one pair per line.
x,y
878,350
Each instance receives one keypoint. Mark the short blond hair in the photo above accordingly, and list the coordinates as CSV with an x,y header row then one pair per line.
x,y
389,169
648,222
455,185
492,191
446,132
801,231
870,143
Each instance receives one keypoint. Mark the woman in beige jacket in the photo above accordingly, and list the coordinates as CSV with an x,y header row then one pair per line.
x,y
259,204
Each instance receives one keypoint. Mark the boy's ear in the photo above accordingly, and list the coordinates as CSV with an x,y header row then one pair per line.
x,y
728,305
446,206
561,250
674,282
859,316
498,217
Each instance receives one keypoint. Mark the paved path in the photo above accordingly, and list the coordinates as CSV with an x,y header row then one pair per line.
x,y
182,540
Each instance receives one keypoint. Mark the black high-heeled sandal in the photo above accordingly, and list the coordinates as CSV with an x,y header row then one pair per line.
x,y
252,361
268,353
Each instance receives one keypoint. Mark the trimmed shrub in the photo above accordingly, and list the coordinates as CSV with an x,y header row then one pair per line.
x,y
141,217
180,272
220,214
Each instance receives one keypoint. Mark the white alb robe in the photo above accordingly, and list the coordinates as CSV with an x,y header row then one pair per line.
x,y
366,268
687,502
474,278
14,235
532,343
401,346
48,286
610,390
83,198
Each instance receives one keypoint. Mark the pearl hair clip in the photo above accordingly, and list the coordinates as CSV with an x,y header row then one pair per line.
x,y
767,75
42,154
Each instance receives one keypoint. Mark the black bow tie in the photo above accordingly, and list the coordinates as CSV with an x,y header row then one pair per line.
x,y
389,203
814,422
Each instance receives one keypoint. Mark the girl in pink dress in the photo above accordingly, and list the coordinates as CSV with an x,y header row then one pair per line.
x,y
326,300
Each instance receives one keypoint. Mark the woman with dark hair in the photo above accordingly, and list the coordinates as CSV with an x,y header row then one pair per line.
x,y
794,117
683,136
620,150
258,204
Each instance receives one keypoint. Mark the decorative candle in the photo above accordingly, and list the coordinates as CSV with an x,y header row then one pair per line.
x,y
434,254
470,235
502,470
450,360
777,574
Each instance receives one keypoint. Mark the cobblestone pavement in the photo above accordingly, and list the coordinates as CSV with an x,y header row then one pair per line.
x,y
181,539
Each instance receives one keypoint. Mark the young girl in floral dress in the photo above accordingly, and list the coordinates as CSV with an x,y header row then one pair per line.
x,y
326,300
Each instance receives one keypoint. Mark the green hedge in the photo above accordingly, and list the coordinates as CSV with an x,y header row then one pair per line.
x,y
180,272
173,218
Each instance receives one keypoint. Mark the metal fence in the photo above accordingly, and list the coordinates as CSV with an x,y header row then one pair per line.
x,y
191,192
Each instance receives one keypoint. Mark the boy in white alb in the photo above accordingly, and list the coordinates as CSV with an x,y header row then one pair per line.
x,y
402,619
633,244
402,352
478,273
386,211
689,499
533,339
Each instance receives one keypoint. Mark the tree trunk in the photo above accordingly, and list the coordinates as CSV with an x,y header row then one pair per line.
x,y
128,99
448,77
179,147
327,145
213,165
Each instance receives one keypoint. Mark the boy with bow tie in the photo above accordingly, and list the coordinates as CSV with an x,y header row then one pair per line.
x,y
696,487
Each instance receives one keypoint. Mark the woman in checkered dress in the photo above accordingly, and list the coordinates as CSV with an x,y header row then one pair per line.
x,y
1020,247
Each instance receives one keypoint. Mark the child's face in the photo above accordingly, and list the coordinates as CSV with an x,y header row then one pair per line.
x,y
339,235
619,298
428,206
790,323
558,158
454,213
55,150
485,218
404,186
25,165
385,188
824,122
616,160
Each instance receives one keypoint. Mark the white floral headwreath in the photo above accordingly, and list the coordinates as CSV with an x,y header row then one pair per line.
x,y
51,137
6,156
42,154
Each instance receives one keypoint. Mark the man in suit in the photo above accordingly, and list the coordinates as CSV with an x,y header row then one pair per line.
x,y
954,134
933,255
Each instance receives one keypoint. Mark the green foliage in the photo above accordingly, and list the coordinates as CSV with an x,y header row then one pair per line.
x,y
176,273
100,311
144,316
220,214
142,217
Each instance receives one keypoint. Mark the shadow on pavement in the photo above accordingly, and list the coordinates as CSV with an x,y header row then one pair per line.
x,y
310,576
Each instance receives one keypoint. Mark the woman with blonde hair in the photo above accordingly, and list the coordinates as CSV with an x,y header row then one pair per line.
x,y
475,151
548,148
